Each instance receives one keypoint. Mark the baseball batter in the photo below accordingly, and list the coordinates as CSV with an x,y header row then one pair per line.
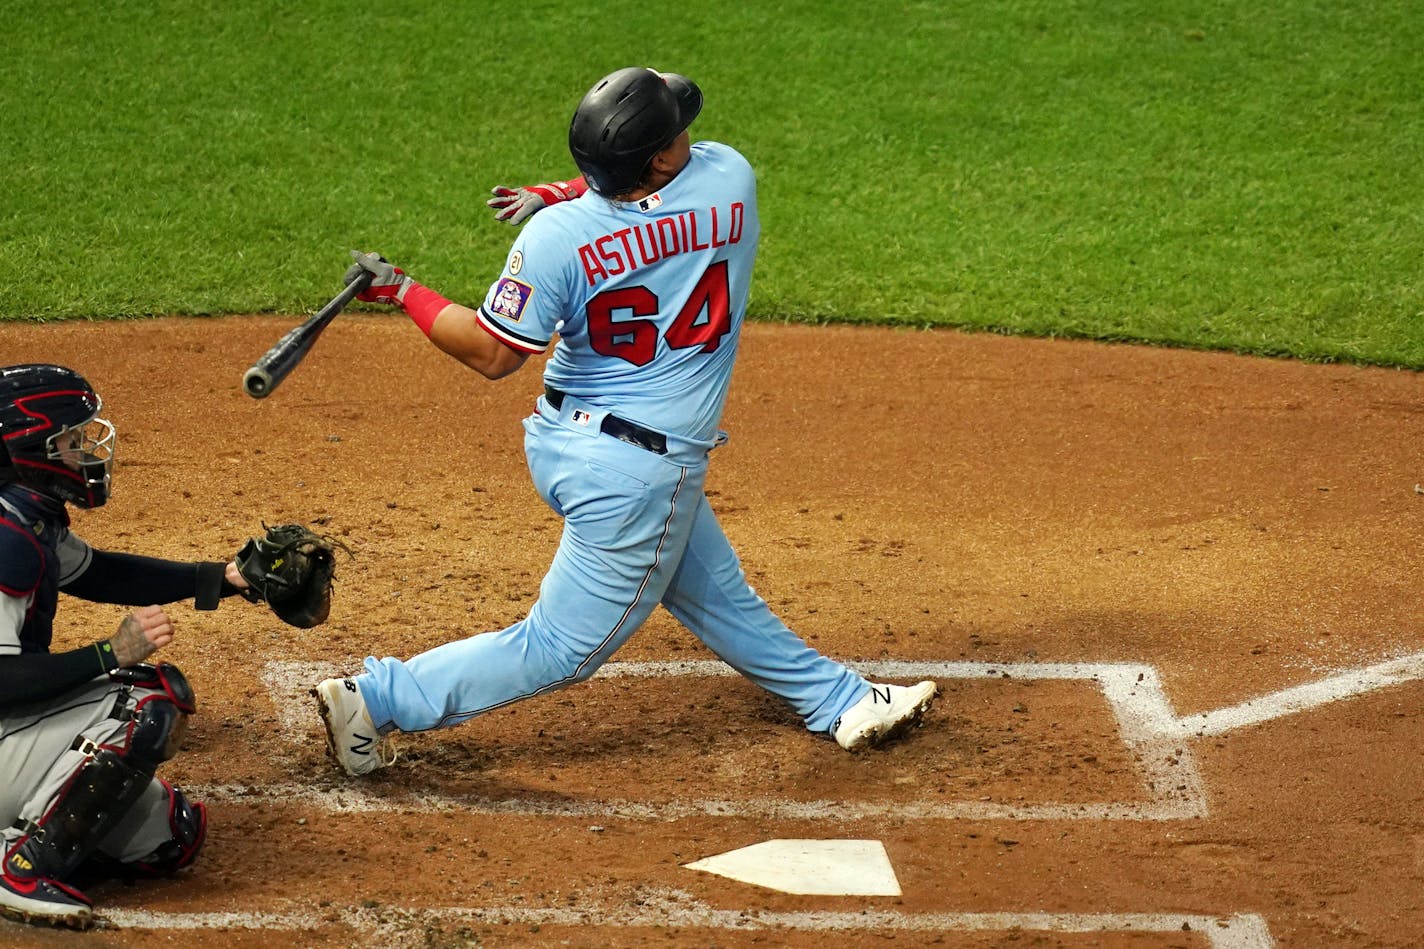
x,y
643,276
82,732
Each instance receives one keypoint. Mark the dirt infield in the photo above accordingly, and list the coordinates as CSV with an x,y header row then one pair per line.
x,y
1172,599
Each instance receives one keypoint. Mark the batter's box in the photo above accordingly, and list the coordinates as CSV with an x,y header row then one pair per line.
x,y
706,736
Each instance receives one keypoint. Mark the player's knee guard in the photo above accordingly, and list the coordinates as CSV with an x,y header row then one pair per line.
x,y
189,822
105,786
159,717
164,677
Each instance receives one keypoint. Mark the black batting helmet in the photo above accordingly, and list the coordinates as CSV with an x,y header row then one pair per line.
x,y
624,120
51,437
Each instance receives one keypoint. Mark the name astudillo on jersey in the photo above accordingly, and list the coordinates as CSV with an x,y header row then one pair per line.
x,y
629,248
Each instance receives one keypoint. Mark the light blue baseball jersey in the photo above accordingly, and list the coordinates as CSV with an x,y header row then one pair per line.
x,y
647,297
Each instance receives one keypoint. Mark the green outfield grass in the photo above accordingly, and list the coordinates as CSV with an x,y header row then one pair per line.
x,y
1203,173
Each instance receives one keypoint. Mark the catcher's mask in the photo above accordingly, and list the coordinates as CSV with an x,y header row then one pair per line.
x,y
51,436
624,120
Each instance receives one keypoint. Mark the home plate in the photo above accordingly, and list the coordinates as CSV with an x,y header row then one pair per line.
x,y
816,867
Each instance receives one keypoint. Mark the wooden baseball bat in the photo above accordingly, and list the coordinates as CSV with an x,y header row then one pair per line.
x,y
272,366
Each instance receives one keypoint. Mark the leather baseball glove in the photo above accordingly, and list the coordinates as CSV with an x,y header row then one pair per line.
x,y
291,569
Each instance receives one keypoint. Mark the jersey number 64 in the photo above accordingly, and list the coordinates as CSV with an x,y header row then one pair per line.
x,y
636,340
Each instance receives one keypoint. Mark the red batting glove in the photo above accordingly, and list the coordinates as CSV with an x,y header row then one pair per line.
x,y
515,205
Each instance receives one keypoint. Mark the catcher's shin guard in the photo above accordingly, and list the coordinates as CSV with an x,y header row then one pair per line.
x,y
189,822
90,805
112,777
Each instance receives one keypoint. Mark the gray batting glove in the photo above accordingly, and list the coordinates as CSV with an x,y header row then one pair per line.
x,y
515,205
388,282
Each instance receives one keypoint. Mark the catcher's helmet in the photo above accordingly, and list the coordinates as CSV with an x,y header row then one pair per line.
x,y
51,437
624,120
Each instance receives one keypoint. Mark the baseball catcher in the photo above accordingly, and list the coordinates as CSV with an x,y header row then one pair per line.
x,y
83,732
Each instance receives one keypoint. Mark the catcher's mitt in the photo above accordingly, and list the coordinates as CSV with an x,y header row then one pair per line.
x,y
291,569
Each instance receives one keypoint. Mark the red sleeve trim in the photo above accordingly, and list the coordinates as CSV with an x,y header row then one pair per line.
x,y
518,343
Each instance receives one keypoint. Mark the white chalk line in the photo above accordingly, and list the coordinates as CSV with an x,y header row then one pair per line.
x,y
1146,720
1156,736
663,908
355,800
1301,698
1172,784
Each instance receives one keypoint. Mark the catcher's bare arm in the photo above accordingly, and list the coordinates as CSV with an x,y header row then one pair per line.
x,y
36,676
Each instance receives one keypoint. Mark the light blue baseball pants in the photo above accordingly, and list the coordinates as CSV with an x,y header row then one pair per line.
x,y
638,531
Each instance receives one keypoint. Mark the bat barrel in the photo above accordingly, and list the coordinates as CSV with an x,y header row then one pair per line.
x,y
272,367
257,382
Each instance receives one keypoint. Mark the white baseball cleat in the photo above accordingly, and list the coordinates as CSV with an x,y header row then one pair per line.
x,y
351,737
886,712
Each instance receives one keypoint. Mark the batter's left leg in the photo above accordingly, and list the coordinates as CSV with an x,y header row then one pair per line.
x,y
709,595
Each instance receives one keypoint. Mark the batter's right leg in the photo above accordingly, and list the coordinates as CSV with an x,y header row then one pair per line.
x,y
626,514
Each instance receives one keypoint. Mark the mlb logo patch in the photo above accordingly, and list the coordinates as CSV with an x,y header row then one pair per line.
x,y
510,298
651,203
580,417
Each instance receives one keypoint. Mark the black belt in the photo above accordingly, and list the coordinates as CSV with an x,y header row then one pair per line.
x,y
621,429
